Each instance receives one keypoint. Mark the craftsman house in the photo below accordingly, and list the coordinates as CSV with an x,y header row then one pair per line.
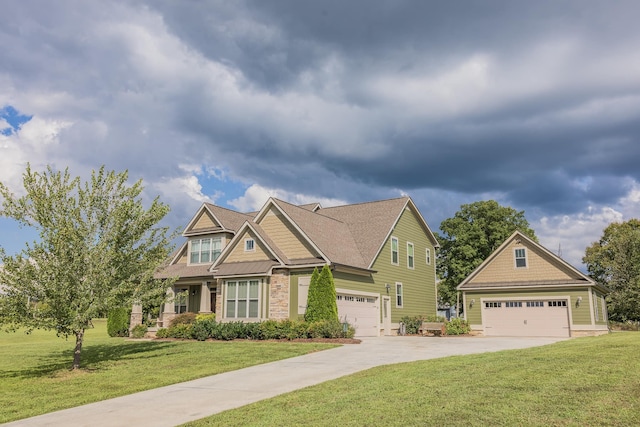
x,y
523,289
256,266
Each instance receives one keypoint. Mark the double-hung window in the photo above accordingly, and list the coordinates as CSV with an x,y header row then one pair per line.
x,y
521,258
399,298
205,250
242,299
428,256
394,251
410,255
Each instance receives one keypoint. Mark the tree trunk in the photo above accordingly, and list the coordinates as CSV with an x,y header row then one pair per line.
x,y
76,351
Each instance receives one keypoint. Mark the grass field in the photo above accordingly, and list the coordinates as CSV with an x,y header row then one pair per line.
x,y
581,382
35,376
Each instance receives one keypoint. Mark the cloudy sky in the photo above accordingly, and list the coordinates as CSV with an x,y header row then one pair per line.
x,y
533,104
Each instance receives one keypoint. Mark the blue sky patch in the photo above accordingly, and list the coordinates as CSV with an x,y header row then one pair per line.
x,y
14,118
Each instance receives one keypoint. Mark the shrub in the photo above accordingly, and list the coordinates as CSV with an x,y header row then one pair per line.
x,y
184,319
181,330
321,301
162,333
118,322
457,326
204,326
330,329
412,324
208,316
138,331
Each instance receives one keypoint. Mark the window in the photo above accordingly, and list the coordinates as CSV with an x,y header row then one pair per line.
x,y
180,301
513,304
428,256
493,304
521,258
595,307
249,245
205,250
399,295
410,255
242,299
562,303
535,303
394,250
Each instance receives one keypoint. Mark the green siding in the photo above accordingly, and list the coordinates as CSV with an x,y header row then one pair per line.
x,y
580,315
418,284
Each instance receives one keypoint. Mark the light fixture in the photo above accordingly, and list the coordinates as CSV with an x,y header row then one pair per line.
x,y
473,301
387,287
578,301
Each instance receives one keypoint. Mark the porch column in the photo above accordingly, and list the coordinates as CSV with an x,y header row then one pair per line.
x,y
136,316
205,298
169,311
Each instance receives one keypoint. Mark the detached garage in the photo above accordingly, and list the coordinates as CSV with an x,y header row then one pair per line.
x,y
523,289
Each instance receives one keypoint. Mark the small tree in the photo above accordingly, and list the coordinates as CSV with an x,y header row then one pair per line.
x,y
98,250
321,301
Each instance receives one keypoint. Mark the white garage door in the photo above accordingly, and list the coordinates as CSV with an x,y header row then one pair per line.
x,y
362,312
540,318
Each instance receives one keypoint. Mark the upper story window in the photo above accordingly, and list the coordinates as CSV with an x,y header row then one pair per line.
x,y
394,251
205,250
521,258
249,245
428,256
410,256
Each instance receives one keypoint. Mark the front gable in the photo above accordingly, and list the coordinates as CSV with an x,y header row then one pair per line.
x,y
203,221
239,252
285,235
522,261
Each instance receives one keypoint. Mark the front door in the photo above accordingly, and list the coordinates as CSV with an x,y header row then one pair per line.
x,y
213,301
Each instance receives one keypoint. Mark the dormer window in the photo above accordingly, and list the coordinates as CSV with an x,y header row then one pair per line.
x,y
205,250
249,245
521,258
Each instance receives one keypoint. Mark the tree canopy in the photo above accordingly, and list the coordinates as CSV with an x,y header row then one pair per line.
x,y
98,250
469,237
614,261
321,300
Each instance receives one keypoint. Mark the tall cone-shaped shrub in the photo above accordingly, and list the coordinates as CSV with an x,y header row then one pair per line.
x,y
321,302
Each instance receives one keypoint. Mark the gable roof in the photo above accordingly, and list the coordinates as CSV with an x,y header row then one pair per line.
x,y
227,220
371,223
573,275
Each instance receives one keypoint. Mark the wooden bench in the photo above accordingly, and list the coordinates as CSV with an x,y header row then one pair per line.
x,y
437,328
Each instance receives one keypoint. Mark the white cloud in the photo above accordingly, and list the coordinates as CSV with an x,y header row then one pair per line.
x,y
256,196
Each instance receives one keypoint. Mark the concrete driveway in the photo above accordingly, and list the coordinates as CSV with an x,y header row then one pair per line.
x,y
180,403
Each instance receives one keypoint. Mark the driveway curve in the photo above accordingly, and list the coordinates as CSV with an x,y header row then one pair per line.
x,y
179,403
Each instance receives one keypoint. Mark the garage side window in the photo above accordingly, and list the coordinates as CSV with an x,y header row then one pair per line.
x,y
399,299
521,258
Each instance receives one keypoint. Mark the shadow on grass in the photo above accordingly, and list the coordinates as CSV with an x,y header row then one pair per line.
x,y
92,358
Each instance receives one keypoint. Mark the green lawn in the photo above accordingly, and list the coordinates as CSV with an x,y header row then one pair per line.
x,y
35,376
581,382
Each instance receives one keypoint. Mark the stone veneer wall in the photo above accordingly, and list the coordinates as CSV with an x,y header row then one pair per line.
x,y
279,295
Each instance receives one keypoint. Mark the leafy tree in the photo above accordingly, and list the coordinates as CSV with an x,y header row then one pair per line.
x,y
614,262
98,250
468,238
321,301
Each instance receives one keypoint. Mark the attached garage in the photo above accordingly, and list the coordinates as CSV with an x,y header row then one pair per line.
x,y
533,318
361,311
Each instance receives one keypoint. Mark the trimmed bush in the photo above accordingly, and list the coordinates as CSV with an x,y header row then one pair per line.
x,y
330,329
184,319
457,326
162,333
321,301
138,331
118,322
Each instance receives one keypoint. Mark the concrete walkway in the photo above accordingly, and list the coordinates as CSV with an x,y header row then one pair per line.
x,y
192,400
